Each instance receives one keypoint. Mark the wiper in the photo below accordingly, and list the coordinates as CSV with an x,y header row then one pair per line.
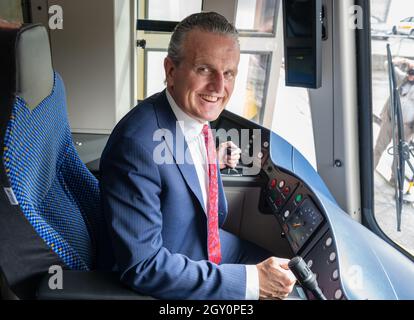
x,y
399,146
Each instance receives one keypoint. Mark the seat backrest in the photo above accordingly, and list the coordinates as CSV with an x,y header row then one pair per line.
x,y
43,174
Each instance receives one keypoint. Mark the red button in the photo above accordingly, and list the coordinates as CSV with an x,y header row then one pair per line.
x,y
273,184
286,191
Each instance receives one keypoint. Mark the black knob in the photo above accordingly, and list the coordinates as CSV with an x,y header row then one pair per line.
x,y
142,43
305,276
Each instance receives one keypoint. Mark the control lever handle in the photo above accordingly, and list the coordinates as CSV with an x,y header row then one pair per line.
x,y
230,171
305,277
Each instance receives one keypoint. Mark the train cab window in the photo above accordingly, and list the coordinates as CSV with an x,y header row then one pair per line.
x,y
11,10
171,10
248,99
154,80
394,206
256,17
297,112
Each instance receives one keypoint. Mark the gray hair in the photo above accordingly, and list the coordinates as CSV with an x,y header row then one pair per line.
x,y
204,21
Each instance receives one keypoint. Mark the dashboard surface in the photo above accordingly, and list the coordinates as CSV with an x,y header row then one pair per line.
x,y
350,261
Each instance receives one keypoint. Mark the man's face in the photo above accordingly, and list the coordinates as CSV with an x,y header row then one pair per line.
x,y
203,81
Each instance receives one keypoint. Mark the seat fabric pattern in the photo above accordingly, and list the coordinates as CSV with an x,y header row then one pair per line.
x,y
56,192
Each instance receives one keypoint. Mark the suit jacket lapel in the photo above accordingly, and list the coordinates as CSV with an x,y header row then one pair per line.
x,y
178,146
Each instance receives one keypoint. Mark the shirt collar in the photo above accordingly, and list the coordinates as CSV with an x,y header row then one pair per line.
x,y
190,126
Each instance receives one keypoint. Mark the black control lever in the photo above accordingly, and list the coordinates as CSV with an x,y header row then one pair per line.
x,y
306,277
230,171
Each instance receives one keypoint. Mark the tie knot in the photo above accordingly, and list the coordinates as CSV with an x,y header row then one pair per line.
x,y
205,130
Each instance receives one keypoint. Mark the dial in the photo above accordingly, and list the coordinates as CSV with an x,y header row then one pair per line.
x,y
303,223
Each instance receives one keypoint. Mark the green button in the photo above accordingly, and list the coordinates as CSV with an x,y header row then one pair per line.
x,y
299,198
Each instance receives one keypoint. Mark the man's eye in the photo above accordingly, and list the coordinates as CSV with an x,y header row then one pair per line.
x,y
229,75
204,70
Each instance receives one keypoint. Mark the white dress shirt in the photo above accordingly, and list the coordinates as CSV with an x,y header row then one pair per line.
x,y
192,130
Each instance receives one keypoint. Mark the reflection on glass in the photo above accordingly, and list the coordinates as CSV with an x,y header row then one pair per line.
x,y
299,18
255,15
381,9
172,10
11,10
249,90
154,71
292,119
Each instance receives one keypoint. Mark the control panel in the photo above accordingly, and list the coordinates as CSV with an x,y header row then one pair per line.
x,y
312,224
287,197
322,259
304,226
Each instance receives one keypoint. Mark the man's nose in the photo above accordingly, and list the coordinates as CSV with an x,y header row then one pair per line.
x,y
217,83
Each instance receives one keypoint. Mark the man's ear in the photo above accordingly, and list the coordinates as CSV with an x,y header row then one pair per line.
x,y
169,68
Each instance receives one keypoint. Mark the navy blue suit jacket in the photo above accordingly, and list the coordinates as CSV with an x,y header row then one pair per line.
x,y
155,211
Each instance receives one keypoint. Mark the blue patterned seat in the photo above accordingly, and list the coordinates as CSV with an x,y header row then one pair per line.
x,y
50,210
57,193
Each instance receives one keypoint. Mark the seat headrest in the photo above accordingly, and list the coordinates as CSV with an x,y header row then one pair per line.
x,y
34,65
30,73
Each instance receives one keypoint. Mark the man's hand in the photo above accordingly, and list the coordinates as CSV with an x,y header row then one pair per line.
x,y
226,160
9,25
276,281
403,61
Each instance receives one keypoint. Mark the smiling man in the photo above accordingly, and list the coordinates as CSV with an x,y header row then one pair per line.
x,y
202,81
165,218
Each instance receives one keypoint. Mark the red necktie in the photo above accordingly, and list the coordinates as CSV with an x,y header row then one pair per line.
x,y
213,238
